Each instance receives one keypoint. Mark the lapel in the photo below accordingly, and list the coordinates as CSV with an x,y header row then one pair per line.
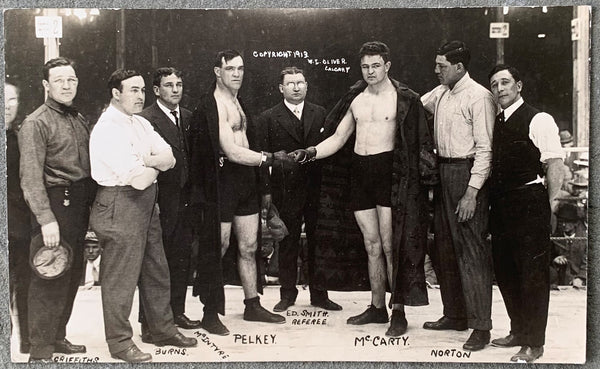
x,y
282,116
184,122
165,126
308,116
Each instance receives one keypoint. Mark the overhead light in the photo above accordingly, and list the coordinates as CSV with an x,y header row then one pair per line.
x,y
541,35
544,9
505,10
95,12
80,13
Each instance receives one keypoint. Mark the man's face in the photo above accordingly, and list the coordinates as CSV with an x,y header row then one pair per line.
x,y
131,98
231,73
62,84
91,250
11,104
374,69
170,91
447,73
294,88
568,226
506,91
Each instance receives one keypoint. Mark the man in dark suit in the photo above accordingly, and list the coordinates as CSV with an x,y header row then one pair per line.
x,y
293,124
171,121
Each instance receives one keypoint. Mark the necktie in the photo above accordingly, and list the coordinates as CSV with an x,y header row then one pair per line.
x,y
501,117
297,112
174,112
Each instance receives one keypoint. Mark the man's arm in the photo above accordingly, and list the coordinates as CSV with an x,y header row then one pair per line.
x,y
331,145
554,179
32,147
163,160
483,116
144,179
235,153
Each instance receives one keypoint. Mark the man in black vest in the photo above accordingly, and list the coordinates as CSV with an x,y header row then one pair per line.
x,y
172,122
526,147
293,124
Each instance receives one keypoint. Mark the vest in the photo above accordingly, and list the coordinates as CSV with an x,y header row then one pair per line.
x,y
515,160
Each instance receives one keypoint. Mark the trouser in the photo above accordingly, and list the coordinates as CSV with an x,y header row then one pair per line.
x,y
178,251
51,301
461,256
520,225
289,249
126,220
20,276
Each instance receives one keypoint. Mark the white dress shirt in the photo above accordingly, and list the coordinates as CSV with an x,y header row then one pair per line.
x,y
118,144
464,119
543,132
168,111
292,107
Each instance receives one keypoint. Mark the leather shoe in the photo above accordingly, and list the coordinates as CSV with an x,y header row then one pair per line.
x,y
146,336
66,347
445,323
371,315
184,322
132,355
40,360
398,325
528,354
260,314
282,305
477,340
327,304
509,341
212,324
178,340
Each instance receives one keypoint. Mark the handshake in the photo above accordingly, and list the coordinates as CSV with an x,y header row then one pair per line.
x,y
300,156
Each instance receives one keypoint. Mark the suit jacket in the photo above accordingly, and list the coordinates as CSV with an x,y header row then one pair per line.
x,y
173,188
276,127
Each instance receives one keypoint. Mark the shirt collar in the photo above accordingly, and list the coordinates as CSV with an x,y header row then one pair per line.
x,y
61,108
511,109
292,106
461,83
113,111
168,111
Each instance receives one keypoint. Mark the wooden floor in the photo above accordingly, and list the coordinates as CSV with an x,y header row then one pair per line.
x,y
312,334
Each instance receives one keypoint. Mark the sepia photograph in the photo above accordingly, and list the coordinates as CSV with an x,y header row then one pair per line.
x,y
322,185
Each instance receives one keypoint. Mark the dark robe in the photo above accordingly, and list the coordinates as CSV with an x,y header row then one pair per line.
x,y
204,199
341,258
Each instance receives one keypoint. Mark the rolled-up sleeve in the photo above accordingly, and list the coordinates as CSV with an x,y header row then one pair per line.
x,y
484,116
543,132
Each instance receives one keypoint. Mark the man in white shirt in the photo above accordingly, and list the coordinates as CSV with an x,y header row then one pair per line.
x,y
464,114
526,147
126,155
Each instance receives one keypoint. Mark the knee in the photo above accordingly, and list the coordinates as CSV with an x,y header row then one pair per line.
x,y
247,249
373,246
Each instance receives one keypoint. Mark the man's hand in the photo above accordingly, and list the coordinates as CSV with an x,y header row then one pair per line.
x,y
466,205
578,283
560,260
265,205
51,235
303,155
149,160
282,158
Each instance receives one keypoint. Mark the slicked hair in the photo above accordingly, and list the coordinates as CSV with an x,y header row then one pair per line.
x,y
61,61
225,55
118,76
455,52
290,70
165,72
375,48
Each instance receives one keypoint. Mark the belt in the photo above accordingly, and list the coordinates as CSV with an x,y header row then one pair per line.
x,y
443,160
